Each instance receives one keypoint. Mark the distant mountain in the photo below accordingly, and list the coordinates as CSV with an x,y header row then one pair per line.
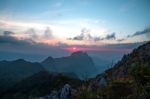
x,y
12,72
78,62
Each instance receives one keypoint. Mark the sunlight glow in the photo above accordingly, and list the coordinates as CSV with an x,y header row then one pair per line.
x,y
73,49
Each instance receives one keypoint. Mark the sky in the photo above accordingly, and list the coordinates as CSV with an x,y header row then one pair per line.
x,y
106,29
76,22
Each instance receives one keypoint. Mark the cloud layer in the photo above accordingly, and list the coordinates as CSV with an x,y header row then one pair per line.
x,y
45,32
86,35
135,37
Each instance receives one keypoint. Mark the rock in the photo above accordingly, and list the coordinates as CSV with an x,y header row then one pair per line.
x,y
66,92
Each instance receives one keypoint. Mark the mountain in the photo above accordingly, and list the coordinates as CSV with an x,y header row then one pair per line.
x,y
78,62
130,77
12,72
127,79
138,59
40,84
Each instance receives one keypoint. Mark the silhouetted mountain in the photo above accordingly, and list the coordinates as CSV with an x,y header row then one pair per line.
x,y
78,62
40,84
49,64
12,72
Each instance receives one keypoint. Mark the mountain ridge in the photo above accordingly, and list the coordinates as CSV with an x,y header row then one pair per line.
x,y
128,78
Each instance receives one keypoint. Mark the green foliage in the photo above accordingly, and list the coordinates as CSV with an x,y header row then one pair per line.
x,y
141,74
86,93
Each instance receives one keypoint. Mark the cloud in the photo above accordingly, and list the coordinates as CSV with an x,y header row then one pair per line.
x,y
28,38
110,36
8,33
48,34
137,35
145,31
12,46
120,40
7,38
86,35
45,35
32,33
79,37
58,27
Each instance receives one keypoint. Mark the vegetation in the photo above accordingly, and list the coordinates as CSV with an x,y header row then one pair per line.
x,y
128,79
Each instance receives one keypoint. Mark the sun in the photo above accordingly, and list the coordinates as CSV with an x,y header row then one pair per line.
x,y
74,48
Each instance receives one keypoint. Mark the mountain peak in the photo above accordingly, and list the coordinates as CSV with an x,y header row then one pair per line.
x,y
20,60
48,59
79,53
78,62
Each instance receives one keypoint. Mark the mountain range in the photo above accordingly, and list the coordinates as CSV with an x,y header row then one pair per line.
x,y
77,65
56,78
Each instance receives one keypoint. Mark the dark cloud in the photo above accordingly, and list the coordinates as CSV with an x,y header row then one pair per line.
x,y
138,33
7,38
145,31
120,40
110,36
97,38
8,33
85,35
79,37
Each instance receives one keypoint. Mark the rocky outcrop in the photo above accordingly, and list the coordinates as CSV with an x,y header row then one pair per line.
x,y
65,93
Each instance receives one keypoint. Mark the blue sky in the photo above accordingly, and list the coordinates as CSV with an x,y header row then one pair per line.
x,y
66,18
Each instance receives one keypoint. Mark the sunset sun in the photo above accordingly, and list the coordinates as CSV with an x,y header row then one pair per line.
x,y
74,48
